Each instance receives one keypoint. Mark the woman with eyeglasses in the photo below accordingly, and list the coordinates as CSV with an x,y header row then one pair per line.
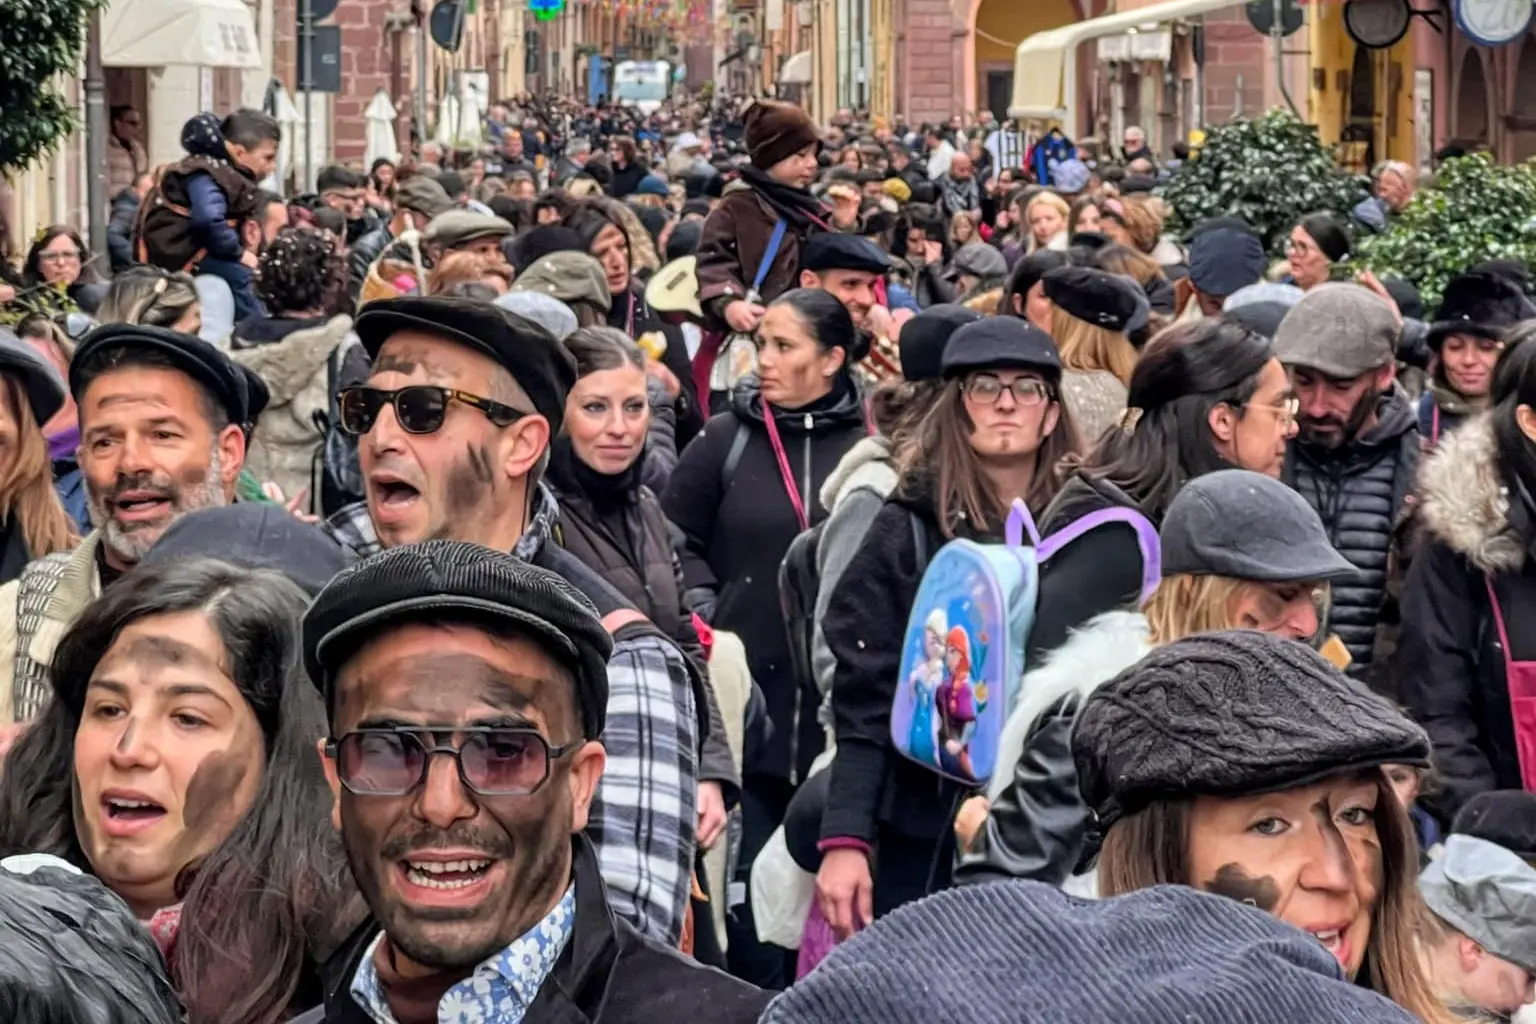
x,y
177,762
997,432
58,276
1314,247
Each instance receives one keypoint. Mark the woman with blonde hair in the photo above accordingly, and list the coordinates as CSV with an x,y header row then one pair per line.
x,y
962,229
1045,216
153,297
1090,311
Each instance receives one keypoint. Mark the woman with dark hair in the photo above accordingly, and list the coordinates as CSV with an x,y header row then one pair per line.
x,y
627,168
381,184
996,433
1313,247
1024,295
1245,765
178,763
33,520
1469,605
58,276
1205,395
740,494
924,243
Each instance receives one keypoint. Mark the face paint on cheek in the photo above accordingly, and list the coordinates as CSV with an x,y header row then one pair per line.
x,y
1235,883
125,742
211,793
480,463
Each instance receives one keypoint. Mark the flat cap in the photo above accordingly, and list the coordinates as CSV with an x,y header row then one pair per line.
x,y
1163,955
1090,295
978,259
209,367
571,277
1488,894
1224,259
540,364
255,535
1340,330
1230,714
460,227
1503,816
423,195
458,580
995,343
1247,526
832,250
39,380
541,241
924,338
545,310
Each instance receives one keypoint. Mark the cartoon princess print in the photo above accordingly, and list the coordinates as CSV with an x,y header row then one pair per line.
x,y
922,735
958,707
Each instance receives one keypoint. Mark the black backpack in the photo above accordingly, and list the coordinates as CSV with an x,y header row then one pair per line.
x,y
340,474
799,585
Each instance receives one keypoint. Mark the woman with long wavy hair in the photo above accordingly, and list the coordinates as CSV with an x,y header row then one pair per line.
x,y
178,762
33,521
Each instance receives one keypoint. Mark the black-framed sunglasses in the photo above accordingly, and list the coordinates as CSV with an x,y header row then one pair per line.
x,y
419,408
492,760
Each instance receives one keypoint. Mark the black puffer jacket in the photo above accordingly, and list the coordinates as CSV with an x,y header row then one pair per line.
x,y
1480,526
1360,492
738,521
360,257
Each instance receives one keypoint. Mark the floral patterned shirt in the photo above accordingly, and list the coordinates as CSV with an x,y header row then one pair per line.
x,y
502,988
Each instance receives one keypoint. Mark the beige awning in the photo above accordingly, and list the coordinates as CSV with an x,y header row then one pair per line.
x,y
201,33
796,70
1045,64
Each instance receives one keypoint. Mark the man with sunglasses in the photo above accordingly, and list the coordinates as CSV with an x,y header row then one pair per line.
x,y
467,693
453,429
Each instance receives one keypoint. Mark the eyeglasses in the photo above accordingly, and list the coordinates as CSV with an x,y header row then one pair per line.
x,y
59,256
1027,391
492,761
419,408
1286,411
1295,248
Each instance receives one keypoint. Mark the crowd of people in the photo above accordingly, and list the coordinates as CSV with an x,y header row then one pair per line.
x,y
487,588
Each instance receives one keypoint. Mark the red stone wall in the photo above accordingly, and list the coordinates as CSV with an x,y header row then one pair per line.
x,y
927,87
1235,57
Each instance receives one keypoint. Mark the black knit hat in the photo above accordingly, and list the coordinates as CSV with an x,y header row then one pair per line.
x,y
775,131
1478,304
924,337
1016,951
1230,714
456,580
1506,817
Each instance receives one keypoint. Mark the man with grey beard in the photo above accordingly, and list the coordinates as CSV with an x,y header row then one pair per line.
x,y
164,422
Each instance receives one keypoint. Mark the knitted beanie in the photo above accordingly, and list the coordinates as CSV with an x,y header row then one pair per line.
x,y
1229,714
1022,952
776,130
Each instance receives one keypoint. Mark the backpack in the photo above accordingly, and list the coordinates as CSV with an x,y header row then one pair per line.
x,y
340,473
963,654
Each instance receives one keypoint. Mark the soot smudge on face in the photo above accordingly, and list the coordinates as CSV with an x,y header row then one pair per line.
x,y
1235,883
212,789
480,462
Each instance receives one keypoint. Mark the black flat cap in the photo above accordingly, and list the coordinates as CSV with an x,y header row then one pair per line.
x,y
540,364
832,250
1094,296
1000,342
215,371
257,394
255,535
1506,817
457,580
925,336
1230,714
39,380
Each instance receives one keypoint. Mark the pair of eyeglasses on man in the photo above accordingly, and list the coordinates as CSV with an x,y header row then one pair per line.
x,y
419,408
491,760
1027,391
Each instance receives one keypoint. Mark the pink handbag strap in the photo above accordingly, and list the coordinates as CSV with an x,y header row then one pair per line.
x,y
784,471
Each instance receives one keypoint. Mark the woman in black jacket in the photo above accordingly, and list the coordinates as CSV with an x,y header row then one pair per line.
x,y
740,495
1467,661
996,433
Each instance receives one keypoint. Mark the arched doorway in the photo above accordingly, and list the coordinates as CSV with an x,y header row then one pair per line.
x,y
1522,136
997,29
1472,101
1359,132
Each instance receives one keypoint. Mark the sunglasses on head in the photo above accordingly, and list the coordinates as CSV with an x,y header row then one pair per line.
x,y
492,761
419,408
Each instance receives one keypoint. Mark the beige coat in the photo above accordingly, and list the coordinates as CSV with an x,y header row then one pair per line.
x,y
26,653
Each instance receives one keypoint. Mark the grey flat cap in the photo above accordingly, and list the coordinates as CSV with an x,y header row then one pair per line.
x,y
460,227
543,309
1342,331
1488,894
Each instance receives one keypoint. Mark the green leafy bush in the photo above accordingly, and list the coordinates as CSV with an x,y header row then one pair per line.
x,y
42,40
1271,171
1475,210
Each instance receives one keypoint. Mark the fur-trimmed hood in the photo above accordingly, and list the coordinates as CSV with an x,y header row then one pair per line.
x,y
1465,501
290,365
1104,647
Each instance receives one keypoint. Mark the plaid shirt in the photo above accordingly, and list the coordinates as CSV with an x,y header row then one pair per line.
x,y
643,816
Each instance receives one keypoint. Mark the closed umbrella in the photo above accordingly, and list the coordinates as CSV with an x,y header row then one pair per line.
x,y
381,128
280,106
447,121
469,129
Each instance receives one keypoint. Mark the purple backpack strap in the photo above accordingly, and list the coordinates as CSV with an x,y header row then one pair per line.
x,y
1020,522
1146,539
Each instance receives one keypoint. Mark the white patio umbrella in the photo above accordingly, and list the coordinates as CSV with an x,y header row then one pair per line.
x,y
287,116
381,128
469,128
447,121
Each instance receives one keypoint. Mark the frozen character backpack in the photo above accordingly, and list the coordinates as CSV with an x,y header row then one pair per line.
x,y
962,658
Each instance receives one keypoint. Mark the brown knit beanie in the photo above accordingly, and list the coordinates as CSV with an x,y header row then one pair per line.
x,y
778,130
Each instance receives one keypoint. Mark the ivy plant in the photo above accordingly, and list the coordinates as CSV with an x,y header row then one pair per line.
x,y
1270,170
43,39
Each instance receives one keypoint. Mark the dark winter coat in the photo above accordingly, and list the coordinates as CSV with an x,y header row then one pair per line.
x,y
626,180
125,213
733,243
361,255
737,526
1361,492
193,211
1450,666
608,974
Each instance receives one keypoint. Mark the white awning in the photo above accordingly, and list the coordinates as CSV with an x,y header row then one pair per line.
x,y
1045,64
796,70
201,33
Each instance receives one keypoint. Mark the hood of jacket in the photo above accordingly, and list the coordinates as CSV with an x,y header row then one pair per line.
x,y
847,410
1080,495
866,465
1101,649
289,366
1465,501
